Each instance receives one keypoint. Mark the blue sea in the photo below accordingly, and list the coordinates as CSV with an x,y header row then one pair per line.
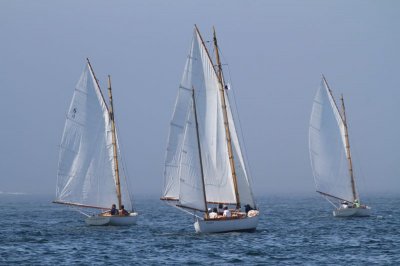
x,y
294,230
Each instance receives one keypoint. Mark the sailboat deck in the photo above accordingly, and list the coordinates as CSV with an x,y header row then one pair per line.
x,y
235,216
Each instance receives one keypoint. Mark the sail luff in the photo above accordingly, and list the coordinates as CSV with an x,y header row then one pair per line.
x,y
97,82
205,48
226,123
114,143
331,96
353,186
199,149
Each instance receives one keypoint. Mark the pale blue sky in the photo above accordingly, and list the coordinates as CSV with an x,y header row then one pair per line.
x,y
276,51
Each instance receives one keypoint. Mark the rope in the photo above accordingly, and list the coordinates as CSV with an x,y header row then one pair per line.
x,y
81,212
194,213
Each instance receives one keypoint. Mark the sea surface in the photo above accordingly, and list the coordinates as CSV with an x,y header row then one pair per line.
x,y
293,230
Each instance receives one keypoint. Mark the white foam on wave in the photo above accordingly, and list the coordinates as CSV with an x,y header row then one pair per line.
x,y
12,193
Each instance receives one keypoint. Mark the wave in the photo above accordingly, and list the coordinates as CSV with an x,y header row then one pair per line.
x,y
12,193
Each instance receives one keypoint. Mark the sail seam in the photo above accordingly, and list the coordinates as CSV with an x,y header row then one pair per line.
x,y
74,121
185,88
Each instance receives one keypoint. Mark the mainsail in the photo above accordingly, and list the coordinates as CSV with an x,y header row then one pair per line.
x,y
86,170
328,153
199,75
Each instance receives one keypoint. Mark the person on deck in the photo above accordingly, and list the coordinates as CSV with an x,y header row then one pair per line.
x,y
123,212
344,205
213,214
247,208
357,203
227,212
113,210
220,209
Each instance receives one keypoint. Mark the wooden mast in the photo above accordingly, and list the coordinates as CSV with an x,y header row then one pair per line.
x,y
114,143
226,123
97,81
346,135
199,147
330,92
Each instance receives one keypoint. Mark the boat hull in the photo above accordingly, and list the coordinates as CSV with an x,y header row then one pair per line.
x,y
99,220
352,212
228,225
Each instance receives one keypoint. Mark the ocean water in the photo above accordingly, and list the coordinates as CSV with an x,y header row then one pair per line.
x,y
292,231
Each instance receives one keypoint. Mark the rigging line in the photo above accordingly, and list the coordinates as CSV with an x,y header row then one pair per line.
x,y
81,212
184,210
242,143
124,167
328,199
242,140
358,167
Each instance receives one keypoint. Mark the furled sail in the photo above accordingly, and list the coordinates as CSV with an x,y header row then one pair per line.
x,y
86,167
327,146
182,164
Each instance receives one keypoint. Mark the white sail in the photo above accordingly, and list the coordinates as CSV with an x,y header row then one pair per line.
x,y
199,74
217,169
191,193
176,134
327,146
86,167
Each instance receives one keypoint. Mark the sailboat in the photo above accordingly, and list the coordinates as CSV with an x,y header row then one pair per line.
x,y
330,155
88,170
204,166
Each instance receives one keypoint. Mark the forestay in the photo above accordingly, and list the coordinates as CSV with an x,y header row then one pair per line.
x,y
86,167
328,146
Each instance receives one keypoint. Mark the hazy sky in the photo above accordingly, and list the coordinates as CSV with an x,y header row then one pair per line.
x,y
276,51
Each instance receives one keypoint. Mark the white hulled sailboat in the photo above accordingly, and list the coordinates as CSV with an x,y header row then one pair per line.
x,y
204,165
88,170
330,155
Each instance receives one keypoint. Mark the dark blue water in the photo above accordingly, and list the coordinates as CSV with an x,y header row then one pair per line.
x,y
296,230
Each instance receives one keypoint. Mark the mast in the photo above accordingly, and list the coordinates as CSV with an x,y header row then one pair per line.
x,y
226,123
330,92
346,135
114,143
97,81
199,147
